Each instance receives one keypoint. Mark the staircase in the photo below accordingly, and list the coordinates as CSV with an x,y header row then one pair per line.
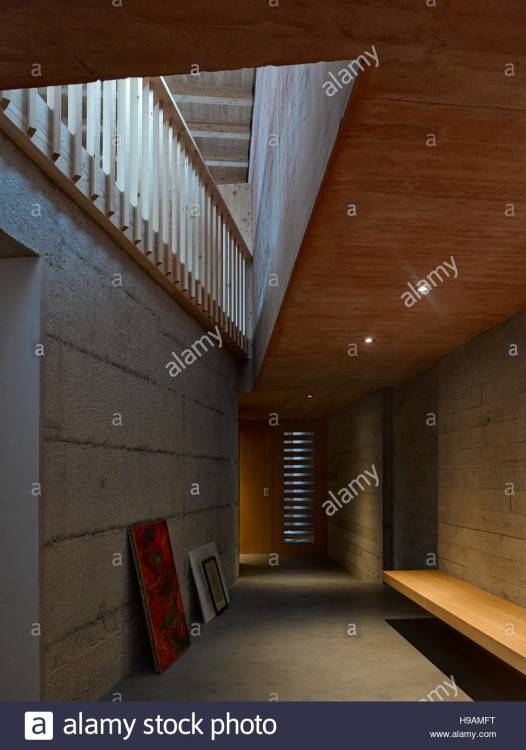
x,y
217,108
123,152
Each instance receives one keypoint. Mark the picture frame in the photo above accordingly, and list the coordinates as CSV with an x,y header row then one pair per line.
x,y
196,558
215,584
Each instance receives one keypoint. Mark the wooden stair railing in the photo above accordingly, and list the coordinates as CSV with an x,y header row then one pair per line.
x,y
123,152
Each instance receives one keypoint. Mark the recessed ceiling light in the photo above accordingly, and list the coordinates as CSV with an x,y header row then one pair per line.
x,y
423,288
309,395
369,340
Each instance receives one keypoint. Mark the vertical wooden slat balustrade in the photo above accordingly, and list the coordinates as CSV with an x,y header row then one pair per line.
x,y
142,229
177,207
206,250
123,152
31,95
156,205
165,195
54,94
108,141
186,243
122,149
93,136
135,155
75,129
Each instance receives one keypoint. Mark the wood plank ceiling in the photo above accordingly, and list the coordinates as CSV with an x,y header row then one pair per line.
x,y
63,42
417,205
217,108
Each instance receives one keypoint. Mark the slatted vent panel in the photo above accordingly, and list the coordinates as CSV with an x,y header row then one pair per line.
x,y
298,487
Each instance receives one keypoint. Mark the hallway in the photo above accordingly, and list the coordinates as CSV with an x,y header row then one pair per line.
x,y
263,336
284,638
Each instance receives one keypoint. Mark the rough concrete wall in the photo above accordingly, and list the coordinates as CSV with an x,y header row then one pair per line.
x,y
481,449
354,444
415,472
294,127
106,348
475,467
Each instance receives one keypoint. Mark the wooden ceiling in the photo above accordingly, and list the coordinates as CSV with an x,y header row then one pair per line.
x,y
416,207
217,108
79,42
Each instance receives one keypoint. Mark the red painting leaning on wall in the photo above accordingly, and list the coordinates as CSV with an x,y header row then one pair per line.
x,y
161,595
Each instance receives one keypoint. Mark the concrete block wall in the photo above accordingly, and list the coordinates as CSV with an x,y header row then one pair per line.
x,y
415,472
463,485
482,461
459,488
106,347
355,441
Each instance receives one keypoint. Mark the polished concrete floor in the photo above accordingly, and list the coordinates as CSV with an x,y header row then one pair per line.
x,y
285,637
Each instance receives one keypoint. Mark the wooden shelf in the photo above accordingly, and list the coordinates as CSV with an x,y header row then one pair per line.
x,y
499,626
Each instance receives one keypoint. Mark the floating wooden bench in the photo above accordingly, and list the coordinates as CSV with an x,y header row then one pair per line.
x,y
490,621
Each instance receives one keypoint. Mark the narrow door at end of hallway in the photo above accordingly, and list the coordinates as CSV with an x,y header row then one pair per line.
x,y
299,478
